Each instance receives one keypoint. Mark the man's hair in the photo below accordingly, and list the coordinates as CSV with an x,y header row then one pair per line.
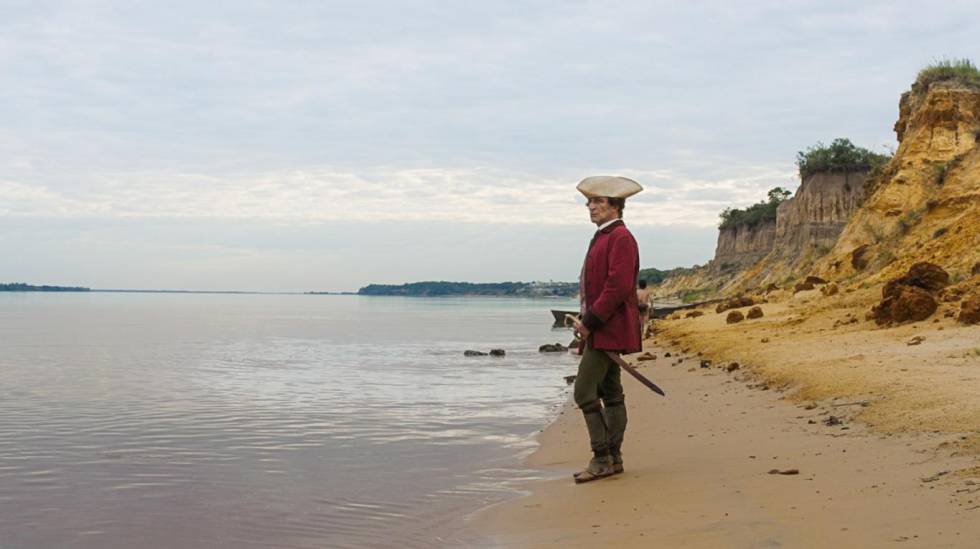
x,y
618,203
643,284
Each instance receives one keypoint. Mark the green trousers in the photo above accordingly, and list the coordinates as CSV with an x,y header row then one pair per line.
x,y
599,394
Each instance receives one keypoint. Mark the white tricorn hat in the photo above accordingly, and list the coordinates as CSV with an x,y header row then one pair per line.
x,y
608,185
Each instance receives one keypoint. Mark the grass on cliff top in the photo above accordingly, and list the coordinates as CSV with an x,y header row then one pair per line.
x,y
961,71
840,156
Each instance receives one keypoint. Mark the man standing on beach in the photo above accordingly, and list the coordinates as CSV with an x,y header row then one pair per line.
x,y
609,323
643,302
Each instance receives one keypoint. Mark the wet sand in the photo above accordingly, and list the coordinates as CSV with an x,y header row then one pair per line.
x,y
698,469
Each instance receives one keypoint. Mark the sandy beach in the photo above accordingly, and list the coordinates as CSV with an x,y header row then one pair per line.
x,y
879,438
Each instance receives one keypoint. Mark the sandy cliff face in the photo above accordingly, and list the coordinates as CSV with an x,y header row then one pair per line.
x,y
807,227
742,245
925,205
816,215
738,248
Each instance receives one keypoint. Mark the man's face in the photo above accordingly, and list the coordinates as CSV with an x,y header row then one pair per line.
x,y
600,211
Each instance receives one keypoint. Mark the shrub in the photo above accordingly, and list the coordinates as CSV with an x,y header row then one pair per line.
x,y
941,170
961,71
696,294
756,213
840,156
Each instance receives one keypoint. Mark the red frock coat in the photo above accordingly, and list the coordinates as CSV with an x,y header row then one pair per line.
x,y
611,312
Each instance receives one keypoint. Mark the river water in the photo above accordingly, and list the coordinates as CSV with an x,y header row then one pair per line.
x,y
205,420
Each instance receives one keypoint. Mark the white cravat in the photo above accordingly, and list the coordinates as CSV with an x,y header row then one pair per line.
x,y
608,223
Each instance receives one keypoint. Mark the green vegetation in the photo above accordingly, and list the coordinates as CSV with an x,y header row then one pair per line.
x,y
941,169
756,213
696,294
22,287
445,289
910,219
656,276
960,71
840,156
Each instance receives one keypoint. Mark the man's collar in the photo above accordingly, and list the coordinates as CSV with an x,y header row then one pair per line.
x,y
609,224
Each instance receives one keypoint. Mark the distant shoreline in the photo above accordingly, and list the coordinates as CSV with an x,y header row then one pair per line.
x,y
444,288
23,287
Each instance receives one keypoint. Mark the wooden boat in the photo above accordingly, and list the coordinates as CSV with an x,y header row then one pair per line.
x,y
667,310
658,310
560,316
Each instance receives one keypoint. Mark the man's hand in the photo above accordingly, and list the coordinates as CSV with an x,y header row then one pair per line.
x,y
583,332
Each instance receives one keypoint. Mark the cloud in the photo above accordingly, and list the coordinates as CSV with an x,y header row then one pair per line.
x,y
471,195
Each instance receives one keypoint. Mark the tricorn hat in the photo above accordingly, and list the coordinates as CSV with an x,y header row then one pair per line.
x,y
608,185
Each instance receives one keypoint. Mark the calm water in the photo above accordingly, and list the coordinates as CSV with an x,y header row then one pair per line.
x,y
156,420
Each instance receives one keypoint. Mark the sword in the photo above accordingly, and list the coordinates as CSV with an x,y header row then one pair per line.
x,y
622,364
632,371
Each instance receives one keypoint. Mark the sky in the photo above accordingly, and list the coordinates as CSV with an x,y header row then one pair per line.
x,y
295,146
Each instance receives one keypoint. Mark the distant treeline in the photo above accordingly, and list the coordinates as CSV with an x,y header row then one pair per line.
x,y
656,276
22,287
445,289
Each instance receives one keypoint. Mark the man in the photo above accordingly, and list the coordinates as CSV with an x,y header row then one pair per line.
x,y
610,322
643,302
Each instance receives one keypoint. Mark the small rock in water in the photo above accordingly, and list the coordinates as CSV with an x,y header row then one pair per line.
x,y
755,312
831,421
473,353
734,316
645,357
569,380
705,363
732,367
497,352
917,340
552,348
667,355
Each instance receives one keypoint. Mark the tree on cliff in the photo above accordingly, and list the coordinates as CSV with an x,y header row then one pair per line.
x,y
757,213
840,156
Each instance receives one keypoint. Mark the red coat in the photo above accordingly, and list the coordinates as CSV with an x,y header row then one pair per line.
x,y
611,312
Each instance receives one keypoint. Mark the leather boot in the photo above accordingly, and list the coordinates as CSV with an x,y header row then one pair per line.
x,y
615,418
598,467
595,424
601,463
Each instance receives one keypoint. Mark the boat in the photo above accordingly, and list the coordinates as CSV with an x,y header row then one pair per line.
x,y
560,316
659,310
664,310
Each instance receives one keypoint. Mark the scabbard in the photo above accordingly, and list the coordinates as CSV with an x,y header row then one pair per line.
x,y
632,371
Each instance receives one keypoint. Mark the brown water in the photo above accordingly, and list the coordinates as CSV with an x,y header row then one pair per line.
x,y
158,420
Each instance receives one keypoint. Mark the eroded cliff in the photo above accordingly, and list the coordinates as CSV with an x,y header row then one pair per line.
x,y
858,228
925,205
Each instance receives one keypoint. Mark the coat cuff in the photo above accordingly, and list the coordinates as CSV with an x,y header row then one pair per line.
x,y
592,322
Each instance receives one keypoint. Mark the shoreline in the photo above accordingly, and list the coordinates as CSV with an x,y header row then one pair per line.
x,y
887,469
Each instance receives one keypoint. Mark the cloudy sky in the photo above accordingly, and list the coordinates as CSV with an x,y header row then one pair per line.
x,y
325,145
